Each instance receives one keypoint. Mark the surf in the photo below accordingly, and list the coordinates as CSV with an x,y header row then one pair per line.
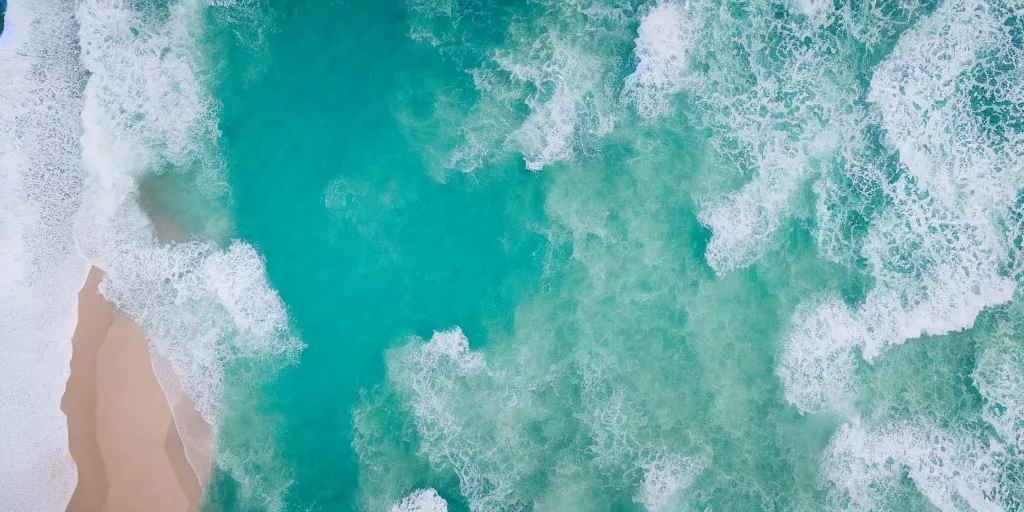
x,y
104,96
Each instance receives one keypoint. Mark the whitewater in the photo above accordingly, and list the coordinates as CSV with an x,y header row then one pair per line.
x,y
652,255
95,98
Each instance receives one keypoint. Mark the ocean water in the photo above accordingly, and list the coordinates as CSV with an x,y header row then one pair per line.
x,y
546,255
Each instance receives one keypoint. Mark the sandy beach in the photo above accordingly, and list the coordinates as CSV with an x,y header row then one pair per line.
x,y
122,433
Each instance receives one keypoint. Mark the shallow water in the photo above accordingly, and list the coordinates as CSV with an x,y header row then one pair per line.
x,y
576,255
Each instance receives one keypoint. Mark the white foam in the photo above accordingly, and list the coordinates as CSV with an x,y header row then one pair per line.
x,y
146,109
664,41
41,271
999,376
875,25
146,106
429,375
841,203
745,222
421,500
450,347
863,466
627,441
816,11
478,422
204,309
666,480
776,111
559,74
570,77
939,252
816,366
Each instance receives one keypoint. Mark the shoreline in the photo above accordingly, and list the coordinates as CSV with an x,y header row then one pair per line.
x,y
122,427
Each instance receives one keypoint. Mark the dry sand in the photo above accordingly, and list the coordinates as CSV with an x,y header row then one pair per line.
x,y
121,432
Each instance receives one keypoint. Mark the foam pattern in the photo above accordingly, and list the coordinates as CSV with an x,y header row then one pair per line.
x,y
488,475
953,471
421,500
819,359
102,94
652,367
547,90
1000,380
665,480
148,106
487,442
943,247
780,107
998,377
569,410
665,39
203,309
777,88
41,270
858,165
207,310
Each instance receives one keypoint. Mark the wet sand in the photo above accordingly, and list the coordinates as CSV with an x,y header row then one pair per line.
x,y
121,431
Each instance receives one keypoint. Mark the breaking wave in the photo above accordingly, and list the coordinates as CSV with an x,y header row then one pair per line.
x,y
856,185
944,246
105,95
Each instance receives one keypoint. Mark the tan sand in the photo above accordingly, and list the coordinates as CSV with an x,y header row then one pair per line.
x,y
79,402
121,431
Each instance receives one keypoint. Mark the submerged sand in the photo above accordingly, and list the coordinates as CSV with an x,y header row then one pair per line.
x,y
122,433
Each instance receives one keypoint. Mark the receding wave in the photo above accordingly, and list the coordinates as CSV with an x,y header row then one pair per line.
x,y
41,269
106,94
203,307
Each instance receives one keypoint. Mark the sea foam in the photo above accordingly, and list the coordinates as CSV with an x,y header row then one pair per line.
x,y
775,94
632,359
999,376
41,270
204,308
664,42
547,92
863,467
422,500
433,376
666,480
943,248
75,147
476,422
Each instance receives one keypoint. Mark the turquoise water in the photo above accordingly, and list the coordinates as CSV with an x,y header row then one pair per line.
x,y
576,254
627,255
364,245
